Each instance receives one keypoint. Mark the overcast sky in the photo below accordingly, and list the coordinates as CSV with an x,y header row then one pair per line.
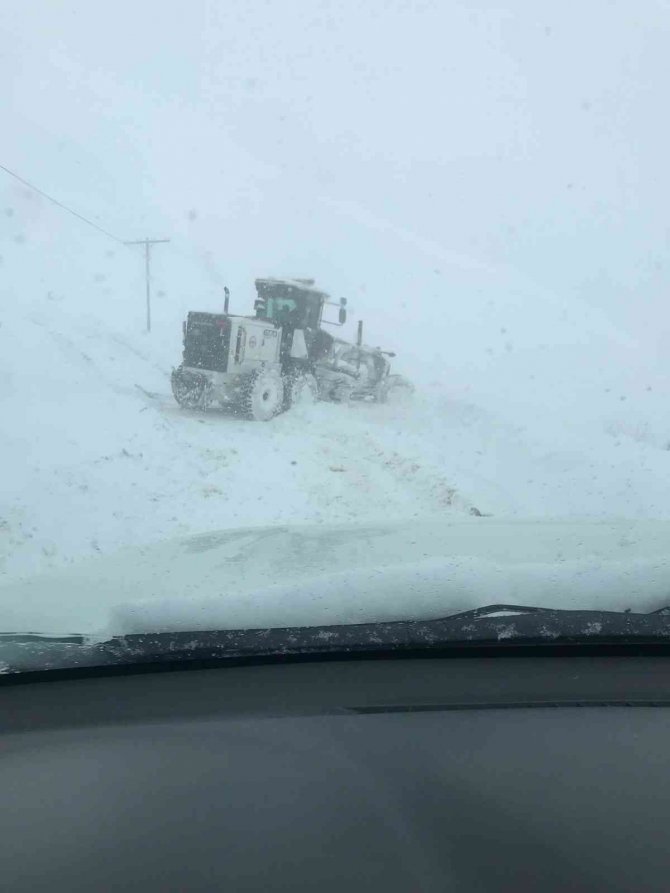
x,y
528,140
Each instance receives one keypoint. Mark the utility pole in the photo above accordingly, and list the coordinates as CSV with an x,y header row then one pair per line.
x,y
147,269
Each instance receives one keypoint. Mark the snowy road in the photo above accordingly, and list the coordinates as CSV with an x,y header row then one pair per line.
x,y
98,456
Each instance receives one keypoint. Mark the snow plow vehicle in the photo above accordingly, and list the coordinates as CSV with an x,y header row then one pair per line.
x,y
260,365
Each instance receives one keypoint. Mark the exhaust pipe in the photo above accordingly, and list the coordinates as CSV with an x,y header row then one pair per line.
x,y
359,335
226,299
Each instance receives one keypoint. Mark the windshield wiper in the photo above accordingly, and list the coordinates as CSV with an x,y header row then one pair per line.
x,y
496,624
510,610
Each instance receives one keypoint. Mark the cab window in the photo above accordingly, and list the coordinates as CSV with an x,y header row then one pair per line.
x,y
281,310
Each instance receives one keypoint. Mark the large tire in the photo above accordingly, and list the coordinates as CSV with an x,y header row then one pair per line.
x,y
263,395
302,390
191,391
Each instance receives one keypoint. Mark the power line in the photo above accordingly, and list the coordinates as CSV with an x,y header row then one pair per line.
x,y
60,204
146,242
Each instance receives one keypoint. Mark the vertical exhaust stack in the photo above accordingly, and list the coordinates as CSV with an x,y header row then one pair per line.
x,y
226,299
359,334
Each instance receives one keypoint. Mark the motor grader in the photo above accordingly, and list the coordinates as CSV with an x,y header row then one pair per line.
x,y
261,365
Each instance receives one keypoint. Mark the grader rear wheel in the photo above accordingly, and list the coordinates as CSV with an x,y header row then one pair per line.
x,y
263,395
190,391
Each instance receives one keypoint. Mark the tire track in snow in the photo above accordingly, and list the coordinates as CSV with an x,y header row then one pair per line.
x,y
426,486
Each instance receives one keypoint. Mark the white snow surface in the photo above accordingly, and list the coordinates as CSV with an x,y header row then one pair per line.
x,y
98,458
96,455
311,575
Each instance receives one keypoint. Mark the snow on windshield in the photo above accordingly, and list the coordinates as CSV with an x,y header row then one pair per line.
x,y
499,227
313,575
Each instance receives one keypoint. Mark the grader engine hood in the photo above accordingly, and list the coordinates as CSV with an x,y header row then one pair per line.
x,y
207,341
232,344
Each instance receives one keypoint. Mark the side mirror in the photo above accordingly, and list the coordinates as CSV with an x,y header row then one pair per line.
x,y
342,316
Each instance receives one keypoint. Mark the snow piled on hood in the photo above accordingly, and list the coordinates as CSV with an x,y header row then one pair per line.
x,y
300,575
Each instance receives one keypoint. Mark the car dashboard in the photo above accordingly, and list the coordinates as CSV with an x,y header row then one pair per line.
x,y
515,771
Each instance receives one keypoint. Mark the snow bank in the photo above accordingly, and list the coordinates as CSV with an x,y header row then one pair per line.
x,y
419,592
312,575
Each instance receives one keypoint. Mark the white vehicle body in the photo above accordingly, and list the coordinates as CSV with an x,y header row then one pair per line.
x,y
264,363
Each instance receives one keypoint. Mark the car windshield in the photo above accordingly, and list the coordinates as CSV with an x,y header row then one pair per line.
x,y
329,314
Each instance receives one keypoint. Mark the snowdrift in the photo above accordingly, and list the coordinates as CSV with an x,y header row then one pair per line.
x,y
299,575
